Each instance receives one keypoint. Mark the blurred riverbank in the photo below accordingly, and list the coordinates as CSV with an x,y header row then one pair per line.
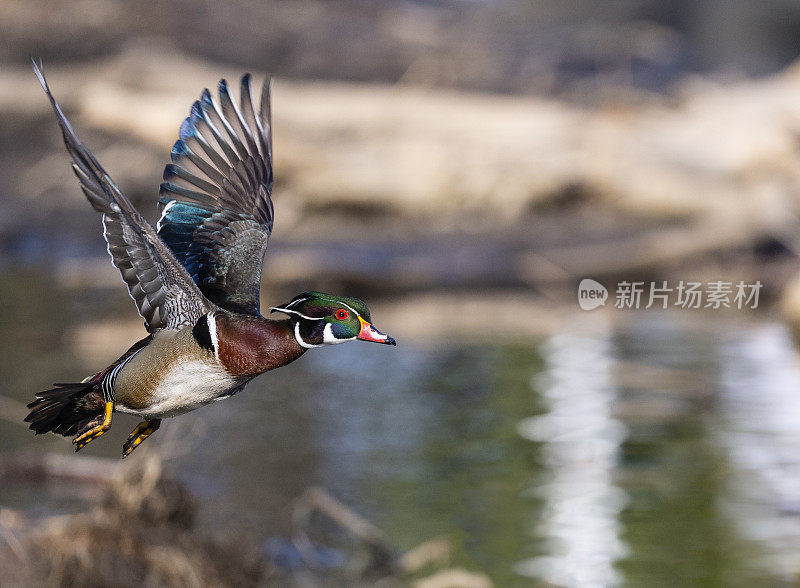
x,y
141,528
399,191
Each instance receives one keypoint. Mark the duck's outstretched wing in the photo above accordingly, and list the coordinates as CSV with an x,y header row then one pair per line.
x,y
163,291
216,207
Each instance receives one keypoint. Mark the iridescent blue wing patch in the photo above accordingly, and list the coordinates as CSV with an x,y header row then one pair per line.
x,y
216,206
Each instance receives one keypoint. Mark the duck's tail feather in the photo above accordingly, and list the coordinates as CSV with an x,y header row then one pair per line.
x,y
65,409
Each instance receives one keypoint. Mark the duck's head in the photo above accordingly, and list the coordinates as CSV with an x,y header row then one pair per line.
x,y
325,319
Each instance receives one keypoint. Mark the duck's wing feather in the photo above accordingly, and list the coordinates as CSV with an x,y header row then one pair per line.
x,y
215,200
164,293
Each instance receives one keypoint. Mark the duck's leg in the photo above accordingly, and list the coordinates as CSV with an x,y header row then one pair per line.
x,y
81,440
142,431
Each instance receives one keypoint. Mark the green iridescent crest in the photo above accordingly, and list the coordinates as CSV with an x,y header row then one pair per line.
x,y
322,305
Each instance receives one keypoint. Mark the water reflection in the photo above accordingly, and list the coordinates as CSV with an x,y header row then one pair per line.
x,y
659,451
671,456
759,428
578,525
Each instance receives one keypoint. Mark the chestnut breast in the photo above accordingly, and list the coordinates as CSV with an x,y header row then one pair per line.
x,y
250,345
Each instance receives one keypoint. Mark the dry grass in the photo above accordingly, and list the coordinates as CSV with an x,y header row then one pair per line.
x,y
141,534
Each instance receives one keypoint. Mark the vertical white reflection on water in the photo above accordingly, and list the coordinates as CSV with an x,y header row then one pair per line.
x,y
760,430
579,521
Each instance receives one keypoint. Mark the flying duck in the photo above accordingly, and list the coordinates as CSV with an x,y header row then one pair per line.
x,y
195,278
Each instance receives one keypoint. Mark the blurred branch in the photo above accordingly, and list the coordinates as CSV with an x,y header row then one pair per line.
x,y
317,499
10,520
436,550
454,578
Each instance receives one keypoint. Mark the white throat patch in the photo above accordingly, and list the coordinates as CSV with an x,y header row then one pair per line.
x,y
329,338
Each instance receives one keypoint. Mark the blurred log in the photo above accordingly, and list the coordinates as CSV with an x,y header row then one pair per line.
x,y
645,252
432,154
57,467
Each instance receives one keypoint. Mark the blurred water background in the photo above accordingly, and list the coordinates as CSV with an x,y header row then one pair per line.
x,y
658,449
460,165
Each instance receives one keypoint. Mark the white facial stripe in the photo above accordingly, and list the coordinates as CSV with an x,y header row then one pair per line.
x,y
334,300
293,302
300,339
169,205
287,311
212,332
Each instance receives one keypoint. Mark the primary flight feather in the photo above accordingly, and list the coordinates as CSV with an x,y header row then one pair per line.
x,y
196,278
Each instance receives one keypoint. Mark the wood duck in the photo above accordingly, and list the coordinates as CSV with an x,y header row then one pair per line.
x,y
195,279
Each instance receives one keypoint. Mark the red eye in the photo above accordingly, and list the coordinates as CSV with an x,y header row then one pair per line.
x,y
342,314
